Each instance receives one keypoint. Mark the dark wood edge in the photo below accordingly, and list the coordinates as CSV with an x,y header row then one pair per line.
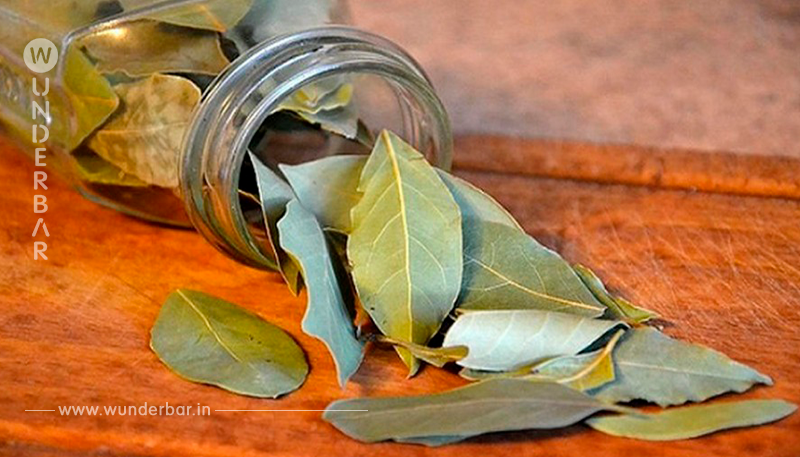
x,y
706,171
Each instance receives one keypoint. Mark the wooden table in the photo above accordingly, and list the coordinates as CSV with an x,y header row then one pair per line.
x,y
711,241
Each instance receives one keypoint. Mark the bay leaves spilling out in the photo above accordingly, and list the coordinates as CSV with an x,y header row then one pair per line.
x,y
475,203
489,406
275,194
406,272
326,317
214,15
437,357
208,340
618,308
505,340
91,97
693,421
655,368
504,268
328,187
143,47
144,138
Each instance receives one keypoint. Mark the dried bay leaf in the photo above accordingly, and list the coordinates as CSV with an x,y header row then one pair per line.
x,y
504,268
693,421
437,357
583,371
91,97
505,340
326,316
269,18
618,308
208,340
488,406
327,103
140,48
653,367
144,138
475,203
93,169
214,15
328,187
274,195
406,272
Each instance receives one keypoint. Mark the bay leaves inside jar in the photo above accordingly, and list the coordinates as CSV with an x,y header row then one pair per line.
x,y
143,47
214,15
144,138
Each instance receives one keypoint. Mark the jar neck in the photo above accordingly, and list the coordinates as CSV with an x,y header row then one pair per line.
x,y
253,87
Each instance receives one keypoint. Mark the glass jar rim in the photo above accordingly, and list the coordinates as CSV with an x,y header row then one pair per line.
x,y
226,120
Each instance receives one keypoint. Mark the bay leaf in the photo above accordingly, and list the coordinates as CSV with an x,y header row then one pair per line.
x,y
437,357
618,308
143,47
432,441
651,366
489,406
270,18
274,195
326,316
93,169
505,340
693,421
475,203
406,272
144,138
208,340
328,187
327,103
214,15
504,268
582,371
91,98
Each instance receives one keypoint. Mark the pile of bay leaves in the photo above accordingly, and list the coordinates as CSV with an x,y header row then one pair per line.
x,y
389,243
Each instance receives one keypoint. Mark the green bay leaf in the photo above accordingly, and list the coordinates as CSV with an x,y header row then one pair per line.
x,y
504,268
328,187
489,406
326,316
208,340
214,15
405,247
274,195
506,340
327,103
144,138
90,96
651,366
475,203
143,47
269,18
693,421
618,308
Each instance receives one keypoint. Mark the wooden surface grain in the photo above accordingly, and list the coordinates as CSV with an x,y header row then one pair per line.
x,y
717,255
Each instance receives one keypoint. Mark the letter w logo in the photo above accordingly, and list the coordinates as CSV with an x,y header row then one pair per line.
x,y
40,53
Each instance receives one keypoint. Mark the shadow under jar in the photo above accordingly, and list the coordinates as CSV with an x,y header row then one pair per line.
x,y
154,107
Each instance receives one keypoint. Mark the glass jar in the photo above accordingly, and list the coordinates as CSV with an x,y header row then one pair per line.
x,y
153,105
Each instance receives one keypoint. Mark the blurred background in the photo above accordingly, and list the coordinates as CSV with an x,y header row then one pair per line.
x,y
708,74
